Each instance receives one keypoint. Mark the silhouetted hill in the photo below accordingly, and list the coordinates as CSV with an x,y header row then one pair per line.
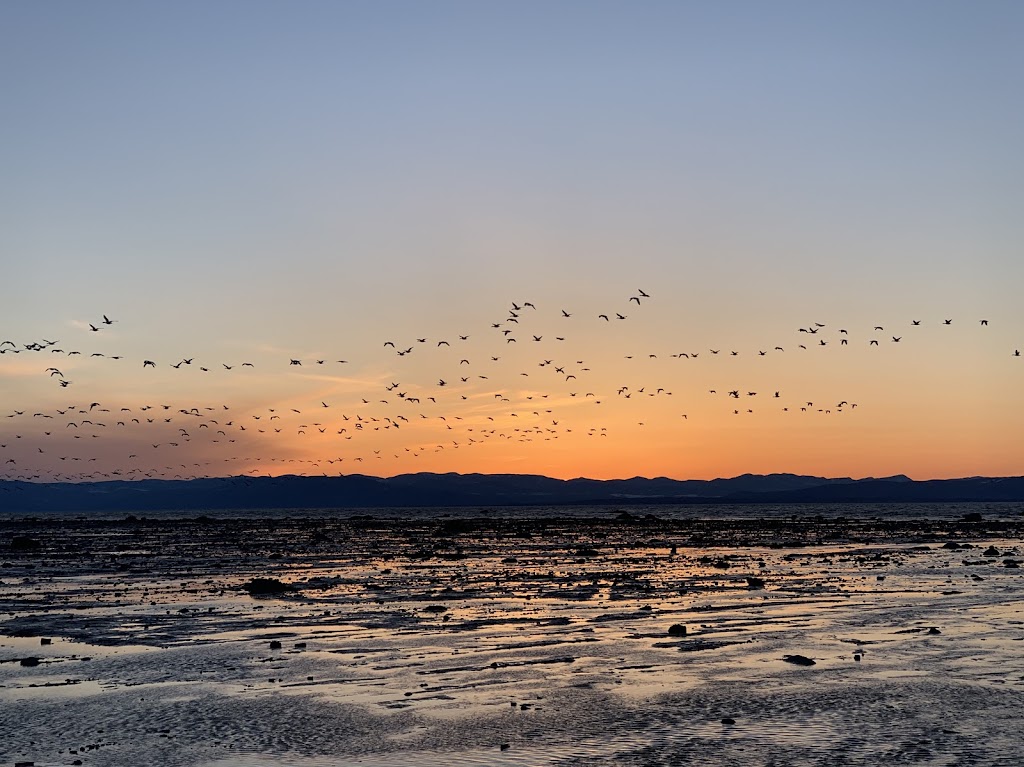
x,y
899,490
410,490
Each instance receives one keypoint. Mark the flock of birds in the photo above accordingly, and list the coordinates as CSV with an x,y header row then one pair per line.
x,y
476,400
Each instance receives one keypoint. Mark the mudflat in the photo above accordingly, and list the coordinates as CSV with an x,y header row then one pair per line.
x,y
625,638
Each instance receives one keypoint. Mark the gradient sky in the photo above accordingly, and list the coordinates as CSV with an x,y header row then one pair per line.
x,y
258,182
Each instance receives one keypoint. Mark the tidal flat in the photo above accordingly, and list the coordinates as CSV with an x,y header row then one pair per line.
x,y
783,636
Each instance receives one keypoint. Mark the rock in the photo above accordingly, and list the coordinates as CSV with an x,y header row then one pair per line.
x,y
275,645
991,551
677,630
972,517
798,660
300,645
933,631
30,661
754,583
728,720
1011,563
24,543
24,764
951,545
435,609
259,587
45,640
504,747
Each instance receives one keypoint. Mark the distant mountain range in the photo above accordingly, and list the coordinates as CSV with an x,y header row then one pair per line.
x,y
411,490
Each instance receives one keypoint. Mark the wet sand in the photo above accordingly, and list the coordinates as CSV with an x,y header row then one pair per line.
x,y
511,640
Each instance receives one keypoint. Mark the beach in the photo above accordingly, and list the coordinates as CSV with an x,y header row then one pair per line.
x,y
522,637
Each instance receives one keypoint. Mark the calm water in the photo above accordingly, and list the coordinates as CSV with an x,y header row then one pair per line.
x,y
947,511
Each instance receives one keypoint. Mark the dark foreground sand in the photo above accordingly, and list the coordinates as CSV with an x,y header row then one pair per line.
x,y
512,641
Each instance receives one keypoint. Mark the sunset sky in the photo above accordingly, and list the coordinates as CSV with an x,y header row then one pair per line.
x,y
263,182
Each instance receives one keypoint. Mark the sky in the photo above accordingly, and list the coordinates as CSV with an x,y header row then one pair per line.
x,y
259,182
